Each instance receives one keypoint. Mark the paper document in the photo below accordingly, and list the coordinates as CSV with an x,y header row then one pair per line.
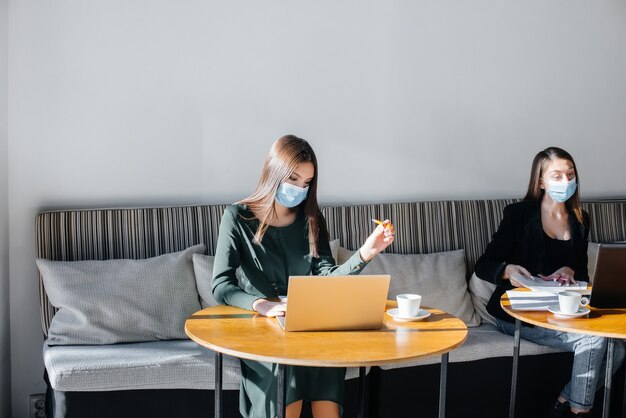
x,y
537,283
523,300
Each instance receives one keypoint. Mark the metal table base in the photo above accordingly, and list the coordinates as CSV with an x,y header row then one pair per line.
x,y
608,379
218,385
443,382
280,402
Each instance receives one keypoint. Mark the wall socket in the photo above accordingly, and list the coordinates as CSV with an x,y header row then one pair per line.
x,y
37,403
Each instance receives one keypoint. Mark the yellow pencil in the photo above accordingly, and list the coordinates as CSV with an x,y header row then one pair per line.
x,y
376,221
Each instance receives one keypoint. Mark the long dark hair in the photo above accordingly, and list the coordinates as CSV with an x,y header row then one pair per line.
x,y
282,160
540,164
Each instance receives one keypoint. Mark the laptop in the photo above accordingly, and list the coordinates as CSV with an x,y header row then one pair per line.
x,y
335,303
609,281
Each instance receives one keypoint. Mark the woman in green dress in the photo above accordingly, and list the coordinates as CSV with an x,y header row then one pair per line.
x,y
275,233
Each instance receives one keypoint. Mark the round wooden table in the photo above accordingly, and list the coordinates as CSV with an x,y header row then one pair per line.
x,y
248,335
609,323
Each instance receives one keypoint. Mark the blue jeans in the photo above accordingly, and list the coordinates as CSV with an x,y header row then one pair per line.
x,y
589,366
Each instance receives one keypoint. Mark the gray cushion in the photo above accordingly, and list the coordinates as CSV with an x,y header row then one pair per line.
x,y
482,342
438,277
112,301
480,292
175,364
203,269
334,248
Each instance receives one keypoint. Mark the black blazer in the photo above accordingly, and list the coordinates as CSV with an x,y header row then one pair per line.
x,y
520,240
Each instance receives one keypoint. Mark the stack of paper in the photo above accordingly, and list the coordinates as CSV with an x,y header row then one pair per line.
x,y
537,283
523,300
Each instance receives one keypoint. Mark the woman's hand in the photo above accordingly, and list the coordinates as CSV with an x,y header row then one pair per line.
x,y
380,239
564,275
267,308
511,269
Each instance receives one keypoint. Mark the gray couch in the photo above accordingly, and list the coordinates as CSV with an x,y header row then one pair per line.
x,y
174,377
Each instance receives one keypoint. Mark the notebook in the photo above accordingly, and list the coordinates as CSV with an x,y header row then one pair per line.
x,y
609,281
335,303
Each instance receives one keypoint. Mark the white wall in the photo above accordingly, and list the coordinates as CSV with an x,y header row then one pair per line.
x,y
159,102
5,358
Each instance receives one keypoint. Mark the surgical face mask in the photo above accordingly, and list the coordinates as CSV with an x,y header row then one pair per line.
x,y
560,192
290,195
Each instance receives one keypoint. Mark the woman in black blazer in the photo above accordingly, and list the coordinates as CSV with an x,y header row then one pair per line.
x,y
546,235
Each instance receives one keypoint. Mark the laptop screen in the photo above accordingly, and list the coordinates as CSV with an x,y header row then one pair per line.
x,y
332,303
609,282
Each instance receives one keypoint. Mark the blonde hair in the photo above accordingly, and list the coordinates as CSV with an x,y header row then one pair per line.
x,y
540,164
282,160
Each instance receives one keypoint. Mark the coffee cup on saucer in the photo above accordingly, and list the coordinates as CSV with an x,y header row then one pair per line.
x,y
570,301
408,304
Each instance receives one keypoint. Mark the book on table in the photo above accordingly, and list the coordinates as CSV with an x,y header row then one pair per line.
x,y
543,294
523,300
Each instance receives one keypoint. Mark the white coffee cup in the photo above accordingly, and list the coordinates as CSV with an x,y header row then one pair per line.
x,y
408,304
570,301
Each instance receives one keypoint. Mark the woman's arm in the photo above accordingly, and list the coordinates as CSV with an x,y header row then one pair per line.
x,y
225,285
325,265
492,265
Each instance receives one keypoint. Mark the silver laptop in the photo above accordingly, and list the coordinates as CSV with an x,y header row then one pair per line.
x,y
609,281
335,303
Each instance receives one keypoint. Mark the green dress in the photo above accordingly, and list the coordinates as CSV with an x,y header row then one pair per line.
x,y
265,270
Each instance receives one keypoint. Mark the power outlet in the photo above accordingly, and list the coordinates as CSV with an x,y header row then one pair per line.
x,y
37,405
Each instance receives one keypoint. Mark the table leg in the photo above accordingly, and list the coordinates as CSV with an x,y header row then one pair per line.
x,y
606,406
516,343
443,381
218,385
361,392
624,399
280,404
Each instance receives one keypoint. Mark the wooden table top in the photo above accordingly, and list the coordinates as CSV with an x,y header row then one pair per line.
x,y
246,334
601,322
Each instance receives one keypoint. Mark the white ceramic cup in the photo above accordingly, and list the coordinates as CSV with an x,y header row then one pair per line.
x,y
570,301
408,304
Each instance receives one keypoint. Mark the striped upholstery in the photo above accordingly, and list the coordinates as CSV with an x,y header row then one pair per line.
x,y
102,234
421,227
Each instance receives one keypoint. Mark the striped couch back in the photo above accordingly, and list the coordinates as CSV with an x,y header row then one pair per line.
x,y
421,227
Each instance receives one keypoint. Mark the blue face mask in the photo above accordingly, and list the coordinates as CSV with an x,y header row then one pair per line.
x,y
561,192
290,195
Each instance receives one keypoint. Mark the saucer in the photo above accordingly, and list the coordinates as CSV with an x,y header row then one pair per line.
x,y
422,314
582,311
